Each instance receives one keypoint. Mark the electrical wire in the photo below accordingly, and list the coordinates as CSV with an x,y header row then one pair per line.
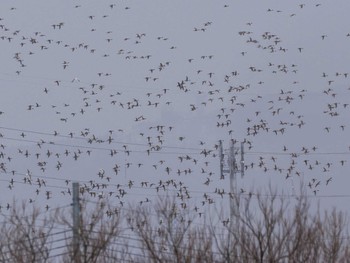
x,y
87,138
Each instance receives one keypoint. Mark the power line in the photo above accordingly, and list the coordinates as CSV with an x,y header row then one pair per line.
x,y
250,194
297,153
147,145
99,148
87,138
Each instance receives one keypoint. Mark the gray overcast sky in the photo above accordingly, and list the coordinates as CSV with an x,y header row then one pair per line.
x,y
153,79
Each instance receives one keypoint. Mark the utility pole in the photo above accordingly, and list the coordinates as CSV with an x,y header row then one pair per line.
x,y
242,159
233,182
76,223
232,170
221,156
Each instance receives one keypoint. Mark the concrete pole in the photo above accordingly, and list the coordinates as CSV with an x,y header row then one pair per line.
x,y
76,223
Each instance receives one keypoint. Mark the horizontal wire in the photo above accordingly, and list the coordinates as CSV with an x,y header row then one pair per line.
x,y
87,138
97,148
170,147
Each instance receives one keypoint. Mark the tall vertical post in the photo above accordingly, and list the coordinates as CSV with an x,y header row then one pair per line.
x,y
234,168
221,156
234,201
242,159
232,165
76,223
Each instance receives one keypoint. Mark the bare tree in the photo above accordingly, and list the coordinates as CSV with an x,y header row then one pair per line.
x,y
266,228
276,228
167,234
331,230
25,236
98,231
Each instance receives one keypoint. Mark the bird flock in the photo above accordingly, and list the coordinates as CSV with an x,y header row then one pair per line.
x,y
132,103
